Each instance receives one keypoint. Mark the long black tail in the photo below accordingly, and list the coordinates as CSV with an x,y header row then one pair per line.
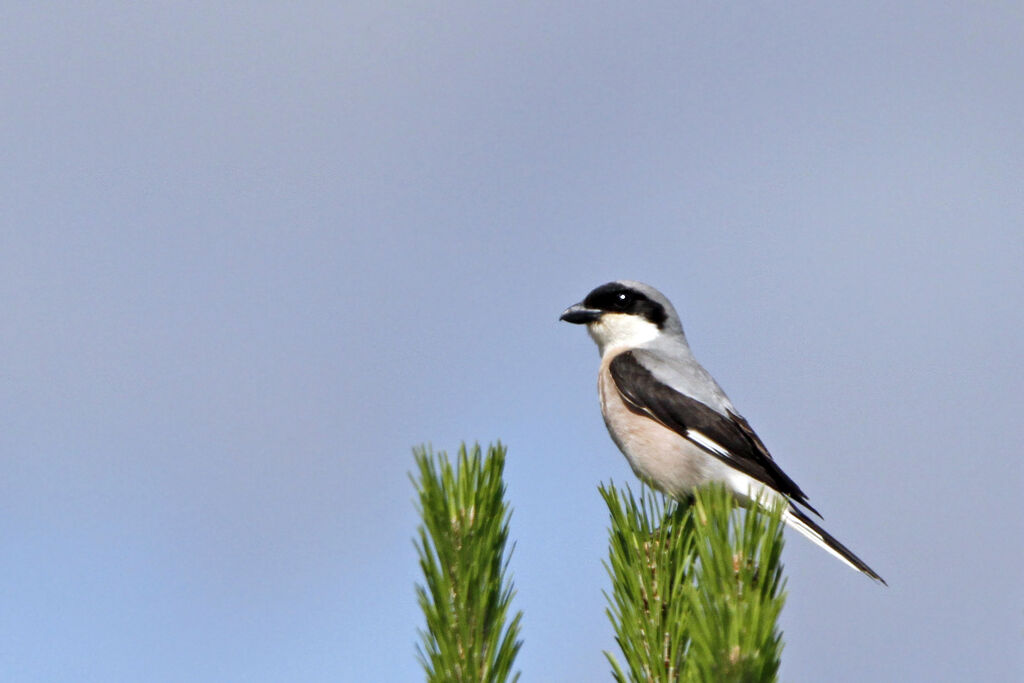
x,y
797,519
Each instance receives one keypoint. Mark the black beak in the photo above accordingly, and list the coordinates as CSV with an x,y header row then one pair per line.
x,y
578,314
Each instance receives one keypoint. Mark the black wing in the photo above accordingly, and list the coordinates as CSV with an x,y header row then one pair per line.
x,y
727,437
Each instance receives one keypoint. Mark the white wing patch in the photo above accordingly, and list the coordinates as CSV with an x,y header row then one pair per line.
x,y
708,444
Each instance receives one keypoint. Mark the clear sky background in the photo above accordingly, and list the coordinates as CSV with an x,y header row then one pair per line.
x,y
252,253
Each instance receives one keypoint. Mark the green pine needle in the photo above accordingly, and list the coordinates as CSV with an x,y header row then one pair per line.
x,y
697,587
467,594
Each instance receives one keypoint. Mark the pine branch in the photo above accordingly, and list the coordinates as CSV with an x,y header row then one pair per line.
x,y
739,591
696,587
467,595
650,561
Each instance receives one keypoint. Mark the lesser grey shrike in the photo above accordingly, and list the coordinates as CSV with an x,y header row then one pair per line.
x,y
675,425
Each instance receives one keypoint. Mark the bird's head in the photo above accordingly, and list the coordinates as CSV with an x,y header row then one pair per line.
x,y
625,314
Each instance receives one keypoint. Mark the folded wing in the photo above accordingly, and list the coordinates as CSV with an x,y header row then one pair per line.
x,y
727,437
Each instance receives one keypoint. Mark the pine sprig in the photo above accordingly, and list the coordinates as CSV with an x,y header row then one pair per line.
x,y
739,591
467,594
650,560
697,587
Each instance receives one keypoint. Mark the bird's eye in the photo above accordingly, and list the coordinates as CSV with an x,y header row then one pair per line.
x,y
623,300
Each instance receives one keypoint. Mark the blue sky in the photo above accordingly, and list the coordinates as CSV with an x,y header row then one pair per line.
x,y
251,254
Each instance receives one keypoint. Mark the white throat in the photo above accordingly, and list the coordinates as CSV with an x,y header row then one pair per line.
x,y
616,330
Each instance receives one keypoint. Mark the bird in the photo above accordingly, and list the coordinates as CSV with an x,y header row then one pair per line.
x,y
672,421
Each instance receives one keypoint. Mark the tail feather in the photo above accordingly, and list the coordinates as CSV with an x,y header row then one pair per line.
x,y
797,519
